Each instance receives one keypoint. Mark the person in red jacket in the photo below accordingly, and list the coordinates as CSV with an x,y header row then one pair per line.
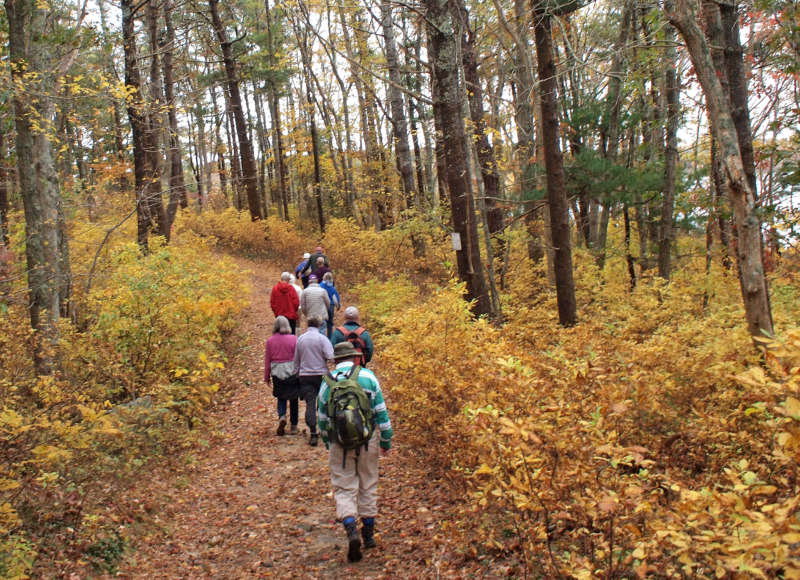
x,y
284,302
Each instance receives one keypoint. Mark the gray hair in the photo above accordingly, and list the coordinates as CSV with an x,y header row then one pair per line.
x,y
351,313
281,326
320,260
285,277
328,277
315,321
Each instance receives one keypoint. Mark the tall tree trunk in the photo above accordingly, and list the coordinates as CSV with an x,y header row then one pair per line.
x,y
672,88
442,31
556,190
399,123
275,113
219,145
525,114
142,170
154,123
748,248
611,128
737,88
486,158
38,181
248,163
4,189
177,185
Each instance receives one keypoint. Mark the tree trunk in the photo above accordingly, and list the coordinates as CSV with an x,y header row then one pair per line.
x,y
554,164
248,163
154,125
142,171
4,188
611,128
275,113
38,182
177,185
672,88
486,158
748,247
399,122
448,107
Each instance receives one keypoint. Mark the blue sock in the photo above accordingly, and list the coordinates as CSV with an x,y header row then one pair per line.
x,y
349,520
368,521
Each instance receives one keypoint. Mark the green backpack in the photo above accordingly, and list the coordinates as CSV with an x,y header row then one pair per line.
x,y
349,412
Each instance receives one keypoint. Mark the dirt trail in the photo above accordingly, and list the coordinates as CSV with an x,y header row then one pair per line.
x,y
250,504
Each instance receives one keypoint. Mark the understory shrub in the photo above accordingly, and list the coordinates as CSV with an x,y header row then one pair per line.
x,y
134,376
634,444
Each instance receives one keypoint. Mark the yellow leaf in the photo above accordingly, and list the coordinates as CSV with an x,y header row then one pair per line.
x,y
793,407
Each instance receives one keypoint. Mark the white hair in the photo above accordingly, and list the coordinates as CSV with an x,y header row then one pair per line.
x,y
351,313
285,277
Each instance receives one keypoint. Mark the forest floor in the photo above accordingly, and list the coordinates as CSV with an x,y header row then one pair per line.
x,y
250,504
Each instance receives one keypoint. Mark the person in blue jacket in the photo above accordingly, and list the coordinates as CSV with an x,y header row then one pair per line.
x,y
333,294
299,270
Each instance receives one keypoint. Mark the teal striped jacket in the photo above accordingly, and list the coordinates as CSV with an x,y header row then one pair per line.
x,y
370,384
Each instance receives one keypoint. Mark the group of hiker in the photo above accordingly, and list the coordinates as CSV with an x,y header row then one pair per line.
x,y
344,404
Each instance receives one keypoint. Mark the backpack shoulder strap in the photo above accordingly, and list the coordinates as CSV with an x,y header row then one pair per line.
x,y
354,372
343,330
359,331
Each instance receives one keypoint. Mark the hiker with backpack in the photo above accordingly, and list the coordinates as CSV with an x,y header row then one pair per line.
x,y
336,302
352,332
310,363
280,372
284,301
351,406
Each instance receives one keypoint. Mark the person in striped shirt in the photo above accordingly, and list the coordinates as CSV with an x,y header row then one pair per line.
x,y
355,482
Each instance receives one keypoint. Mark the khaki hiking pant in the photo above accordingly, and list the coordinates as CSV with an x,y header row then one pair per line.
x,y
355,486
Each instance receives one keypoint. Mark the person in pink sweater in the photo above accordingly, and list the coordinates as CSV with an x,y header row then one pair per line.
x,y
279,370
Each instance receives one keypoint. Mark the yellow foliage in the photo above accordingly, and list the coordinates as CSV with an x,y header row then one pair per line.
x,y
632,443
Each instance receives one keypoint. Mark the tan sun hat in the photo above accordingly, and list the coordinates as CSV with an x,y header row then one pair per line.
x,y
344,350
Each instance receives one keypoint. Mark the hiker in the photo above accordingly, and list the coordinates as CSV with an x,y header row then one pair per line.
x,y
310,362
356,334
321,269
297,287
354,472
314,301
284,301
279,370
302,266
312,260
333,294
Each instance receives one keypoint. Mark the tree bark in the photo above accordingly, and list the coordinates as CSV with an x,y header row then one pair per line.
x,y
247,160
38,182
554,164
154,132
442,37
275,113
399,122
672,89
748,248
177,185
143,172
486,157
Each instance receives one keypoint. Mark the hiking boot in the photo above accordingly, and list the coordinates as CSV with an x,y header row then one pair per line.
x,y
281,427
313,440
353,543
293,430
368,533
